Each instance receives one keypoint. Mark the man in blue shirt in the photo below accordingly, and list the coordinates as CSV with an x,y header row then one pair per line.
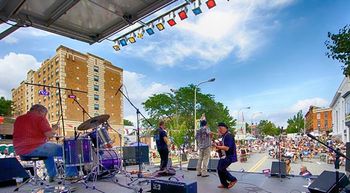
x,y
230,156
162,142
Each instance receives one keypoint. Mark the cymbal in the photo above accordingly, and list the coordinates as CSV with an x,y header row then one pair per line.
x,y
93,122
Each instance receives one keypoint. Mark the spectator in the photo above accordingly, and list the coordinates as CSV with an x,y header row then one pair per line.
x,y
304,172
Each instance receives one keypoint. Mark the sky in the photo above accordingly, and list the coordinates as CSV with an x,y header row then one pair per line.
x,y
265,54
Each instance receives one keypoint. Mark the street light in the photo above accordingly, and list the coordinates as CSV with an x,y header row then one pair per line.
x,y
254,115
195,102
240,111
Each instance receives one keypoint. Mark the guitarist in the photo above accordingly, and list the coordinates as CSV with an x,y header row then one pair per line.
x,y
229,148
163,144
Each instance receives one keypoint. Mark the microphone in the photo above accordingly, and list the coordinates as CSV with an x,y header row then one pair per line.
x,y
311,136
119,89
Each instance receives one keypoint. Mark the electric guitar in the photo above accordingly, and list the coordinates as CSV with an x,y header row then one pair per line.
x,y
220,152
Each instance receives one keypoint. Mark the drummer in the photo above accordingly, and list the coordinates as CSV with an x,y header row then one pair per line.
x,y
31,134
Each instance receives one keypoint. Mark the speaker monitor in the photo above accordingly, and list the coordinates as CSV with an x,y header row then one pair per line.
x,y
10,169
213,165
275,169
192,164
130,155
325,183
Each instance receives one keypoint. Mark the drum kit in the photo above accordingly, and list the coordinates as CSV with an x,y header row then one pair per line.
x,y
92,151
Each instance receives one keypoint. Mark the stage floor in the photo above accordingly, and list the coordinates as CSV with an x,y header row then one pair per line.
x,y
247,182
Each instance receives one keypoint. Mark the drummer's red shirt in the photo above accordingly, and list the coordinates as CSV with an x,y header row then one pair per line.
x,y
29,132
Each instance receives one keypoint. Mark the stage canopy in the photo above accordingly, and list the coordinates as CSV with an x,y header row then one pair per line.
x,y
85,20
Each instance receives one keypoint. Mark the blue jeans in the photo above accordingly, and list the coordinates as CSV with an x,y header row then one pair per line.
x,y
51,150
225,175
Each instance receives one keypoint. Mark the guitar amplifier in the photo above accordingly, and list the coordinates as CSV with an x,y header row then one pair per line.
x,y
161,186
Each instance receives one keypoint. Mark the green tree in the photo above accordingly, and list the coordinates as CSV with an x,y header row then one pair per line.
x,y
179,106
127,122
296,123
338,47
248,128
5,107
268,128
177,132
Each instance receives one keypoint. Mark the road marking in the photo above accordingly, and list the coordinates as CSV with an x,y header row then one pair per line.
x,y
258,164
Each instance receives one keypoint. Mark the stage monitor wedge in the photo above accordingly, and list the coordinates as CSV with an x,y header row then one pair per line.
x,y
11,168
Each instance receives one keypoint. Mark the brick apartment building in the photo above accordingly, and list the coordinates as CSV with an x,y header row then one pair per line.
x,y
74,70
318,120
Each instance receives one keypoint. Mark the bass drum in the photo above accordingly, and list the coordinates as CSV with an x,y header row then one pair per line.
x,y
109,161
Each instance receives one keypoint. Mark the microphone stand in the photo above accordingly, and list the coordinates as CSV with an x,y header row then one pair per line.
x,y
138,113
336,162
82,108
279,155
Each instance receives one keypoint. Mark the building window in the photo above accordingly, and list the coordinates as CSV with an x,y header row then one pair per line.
x,y
57,71
96,106
318,115
96,78
96,87
96,97
318,123
96,68
347,105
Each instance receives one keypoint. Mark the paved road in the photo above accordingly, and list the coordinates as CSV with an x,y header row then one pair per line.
x,y
260,161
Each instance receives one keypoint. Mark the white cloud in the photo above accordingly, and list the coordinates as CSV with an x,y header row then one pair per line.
x,y
36,32
306,103
23,32
10,40
281,117
139,90
13,70
234,27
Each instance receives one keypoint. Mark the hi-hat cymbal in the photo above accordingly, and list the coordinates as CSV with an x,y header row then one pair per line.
x,y
93,122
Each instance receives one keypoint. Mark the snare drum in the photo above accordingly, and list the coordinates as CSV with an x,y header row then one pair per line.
x,y
103,137
77,151
110,159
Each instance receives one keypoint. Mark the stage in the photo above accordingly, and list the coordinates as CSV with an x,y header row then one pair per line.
x,y
247,182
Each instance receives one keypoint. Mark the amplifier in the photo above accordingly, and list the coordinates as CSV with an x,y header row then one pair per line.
x,y
161,186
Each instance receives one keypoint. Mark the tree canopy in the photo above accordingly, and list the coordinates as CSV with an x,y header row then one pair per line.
x,y
179,107
338,47
127,122
5,107
268,128
296,123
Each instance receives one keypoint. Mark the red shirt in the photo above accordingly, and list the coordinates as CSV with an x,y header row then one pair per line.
x,y
29,132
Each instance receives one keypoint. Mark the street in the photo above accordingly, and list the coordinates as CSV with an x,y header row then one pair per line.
x,y
260,161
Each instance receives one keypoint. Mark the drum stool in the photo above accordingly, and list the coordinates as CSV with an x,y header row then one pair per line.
x,y
33,178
